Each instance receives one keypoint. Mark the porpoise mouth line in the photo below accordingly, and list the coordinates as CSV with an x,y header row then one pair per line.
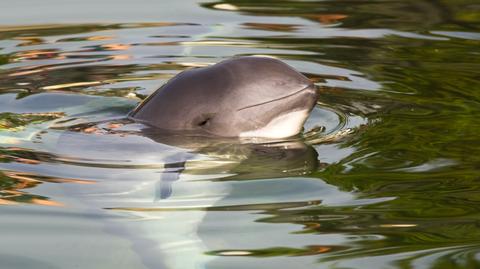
x,y
277,99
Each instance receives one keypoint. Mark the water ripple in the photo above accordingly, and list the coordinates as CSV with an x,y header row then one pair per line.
x,y
385,174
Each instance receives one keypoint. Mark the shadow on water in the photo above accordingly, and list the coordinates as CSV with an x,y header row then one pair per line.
x,y
384,176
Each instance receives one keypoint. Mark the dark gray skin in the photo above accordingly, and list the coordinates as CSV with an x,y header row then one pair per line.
x,y
230,99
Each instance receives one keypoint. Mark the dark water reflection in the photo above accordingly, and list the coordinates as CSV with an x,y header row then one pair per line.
x,y
385,176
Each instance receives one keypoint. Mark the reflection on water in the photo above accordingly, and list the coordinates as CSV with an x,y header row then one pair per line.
x,y
386,174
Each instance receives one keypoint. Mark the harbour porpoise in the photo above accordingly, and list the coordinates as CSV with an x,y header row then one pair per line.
x,y
239,97
200,112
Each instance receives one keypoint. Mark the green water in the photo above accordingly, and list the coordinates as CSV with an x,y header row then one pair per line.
x,y
387,173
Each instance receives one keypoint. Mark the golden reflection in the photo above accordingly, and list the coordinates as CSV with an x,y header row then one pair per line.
x,y
115,46
272,26
15,149
132,95
13,183
403,225
228,7
92,130
99,37
7,202
19,121
30,177
29,27
312,225
265,55
235,253
109,128
70,180
314,250
28,72
86,26
327,18
35,55
37,201
26,161
68,85
114,125
29,40
86,38
214,43
307,251
151,24
121,57
193,64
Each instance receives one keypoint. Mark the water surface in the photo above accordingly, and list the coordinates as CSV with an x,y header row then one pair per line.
x,y
386,174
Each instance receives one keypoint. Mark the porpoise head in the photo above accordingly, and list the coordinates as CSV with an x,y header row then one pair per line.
x,y
239,97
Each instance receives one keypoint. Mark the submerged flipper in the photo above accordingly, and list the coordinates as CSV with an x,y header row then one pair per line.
x,y
164,185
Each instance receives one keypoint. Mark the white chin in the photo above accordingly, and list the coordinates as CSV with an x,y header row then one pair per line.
x,y
285,125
